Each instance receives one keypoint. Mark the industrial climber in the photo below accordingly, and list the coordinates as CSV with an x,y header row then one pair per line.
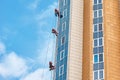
x,y
57,13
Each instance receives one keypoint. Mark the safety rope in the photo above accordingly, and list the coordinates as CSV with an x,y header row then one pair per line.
x,y
46,56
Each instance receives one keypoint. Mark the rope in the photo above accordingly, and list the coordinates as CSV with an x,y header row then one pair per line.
x,y
54,46
51,75
46,56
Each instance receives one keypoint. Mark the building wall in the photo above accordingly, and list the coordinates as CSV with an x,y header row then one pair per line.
x,y
79,39
75,40
62,43
111,24
112,39
87,67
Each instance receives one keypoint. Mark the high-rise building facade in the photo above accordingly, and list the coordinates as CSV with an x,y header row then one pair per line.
x,y
101,48
88,44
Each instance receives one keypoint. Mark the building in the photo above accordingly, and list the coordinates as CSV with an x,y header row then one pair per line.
x,y
88,44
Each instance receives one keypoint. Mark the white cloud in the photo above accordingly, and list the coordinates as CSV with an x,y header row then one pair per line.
x,y
46,53
2,48
15,66
38,75
34,4
12,66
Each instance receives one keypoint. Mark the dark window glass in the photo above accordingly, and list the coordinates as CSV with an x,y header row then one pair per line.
x,y
99,6
101,49
100,13
95,50
95,27
95,75
100,57
101,34
95,42
95,13
100,41
62,53
100,20
95,66
61,70
95,58
101,74
101,65
63,40
95,7
95,1
99,1
63,26
95,35
100,27
95,20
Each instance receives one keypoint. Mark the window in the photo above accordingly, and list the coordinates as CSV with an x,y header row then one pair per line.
x,y
101,65
96,75
95,58
99,1
64,2
101,74
95,21
100,20
62,40
65,13
100,27
95,42
95,7
95,50
95,35
95,1
100,13
100,42
95,28
95,66
99,6
63,26
100,34
95,14
61,70
100,57
101,49
62,54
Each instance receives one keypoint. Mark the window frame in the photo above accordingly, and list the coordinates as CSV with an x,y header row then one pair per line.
x,y
101,13
64,27
100,3
99,73
64,2
62,66
62,52
94,58
64,13
62,40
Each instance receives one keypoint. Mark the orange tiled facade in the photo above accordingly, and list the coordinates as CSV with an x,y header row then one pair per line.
x,y
111,40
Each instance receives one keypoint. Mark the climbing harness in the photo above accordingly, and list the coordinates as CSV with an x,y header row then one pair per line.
x,y
54,32
57,13
51,67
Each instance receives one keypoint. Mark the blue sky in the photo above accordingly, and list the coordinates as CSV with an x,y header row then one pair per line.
x,y
26,39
